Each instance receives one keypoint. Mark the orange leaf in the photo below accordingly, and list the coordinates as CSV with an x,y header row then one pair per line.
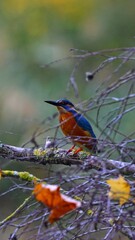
x,y
119,189
59,203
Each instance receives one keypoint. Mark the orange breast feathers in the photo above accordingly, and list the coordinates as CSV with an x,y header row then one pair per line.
x,y
70,128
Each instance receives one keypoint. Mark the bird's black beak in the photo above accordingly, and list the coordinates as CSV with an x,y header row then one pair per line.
x,y
52,102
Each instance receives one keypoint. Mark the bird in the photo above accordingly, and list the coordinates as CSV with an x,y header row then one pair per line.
x,y
75,126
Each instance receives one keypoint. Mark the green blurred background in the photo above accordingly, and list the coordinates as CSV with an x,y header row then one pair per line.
x,y
37,32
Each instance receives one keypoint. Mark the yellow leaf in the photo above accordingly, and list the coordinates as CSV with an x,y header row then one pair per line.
x,y
89,212
119,189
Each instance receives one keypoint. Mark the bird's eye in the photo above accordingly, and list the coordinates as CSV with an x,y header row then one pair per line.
x,y
62,102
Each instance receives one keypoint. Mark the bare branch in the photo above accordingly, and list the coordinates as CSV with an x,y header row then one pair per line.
x,y
58,156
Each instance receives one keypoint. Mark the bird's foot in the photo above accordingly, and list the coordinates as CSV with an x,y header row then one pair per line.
x,y
70,149
77,151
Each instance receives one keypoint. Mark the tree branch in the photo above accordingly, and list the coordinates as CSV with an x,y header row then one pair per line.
x,y
59,156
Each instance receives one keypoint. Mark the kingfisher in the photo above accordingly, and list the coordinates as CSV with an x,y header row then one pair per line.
x,y
75,126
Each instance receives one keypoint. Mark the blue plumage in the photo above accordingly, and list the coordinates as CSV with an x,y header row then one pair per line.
x,y
84,124
81,121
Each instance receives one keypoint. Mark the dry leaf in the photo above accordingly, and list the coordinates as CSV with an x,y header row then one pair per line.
x,y
119,189
59,203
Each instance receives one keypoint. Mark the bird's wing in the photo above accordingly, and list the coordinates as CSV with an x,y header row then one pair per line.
x,y
84,124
